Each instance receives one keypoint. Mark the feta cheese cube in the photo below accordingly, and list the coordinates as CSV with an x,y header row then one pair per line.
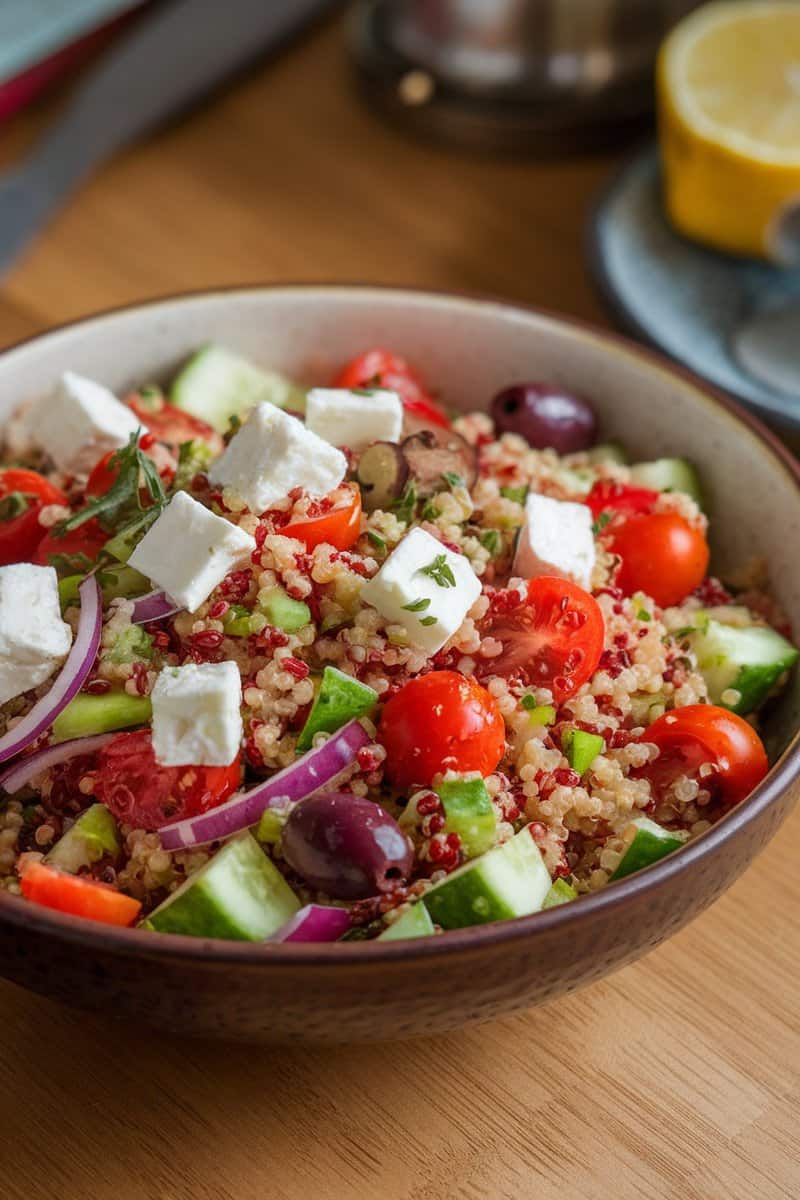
x,y
33,638
273,453
354,419
188,550
424,587
80,422
556,539
197,719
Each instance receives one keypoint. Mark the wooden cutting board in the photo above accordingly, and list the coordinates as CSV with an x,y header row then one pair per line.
x,y
677,1077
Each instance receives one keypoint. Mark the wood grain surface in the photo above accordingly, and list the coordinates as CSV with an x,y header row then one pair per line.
x,y
677,1077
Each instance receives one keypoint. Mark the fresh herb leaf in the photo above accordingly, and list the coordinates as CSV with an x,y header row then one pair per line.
x,y
362,391
452,479
234,425
601,522
683,632
417,605
376,539
643,615
490,538
440,571
71,564
430,512
133,469
518,494
405,506
13,505
429,620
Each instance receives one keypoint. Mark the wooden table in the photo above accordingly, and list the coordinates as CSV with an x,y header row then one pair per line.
x,y
677,1077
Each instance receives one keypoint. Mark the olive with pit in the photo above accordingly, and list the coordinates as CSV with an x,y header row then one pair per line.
x,y
546,416
382,475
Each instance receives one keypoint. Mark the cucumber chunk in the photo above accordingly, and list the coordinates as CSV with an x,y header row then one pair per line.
x,y
132,643
340,699
282,611
740,665
650,843
270,826
469,812
560,893
608,452
92,837
510,881
217,385
239,894
87,715
669,475
415,923
582,749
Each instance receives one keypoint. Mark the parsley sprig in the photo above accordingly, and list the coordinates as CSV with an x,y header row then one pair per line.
x,y
601,522
122,501
440,571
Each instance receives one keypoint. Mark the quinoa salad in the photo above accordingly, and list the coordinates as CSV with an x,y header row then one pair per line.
x,y
286,663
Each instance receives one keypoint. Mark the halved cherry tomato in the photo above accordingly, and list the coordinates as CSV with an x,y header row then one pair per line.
x,y
21,534
104,475
79,895
139,791
620,499
170,424
553,638
382,368
703,733
439,722
662,555
87,539
335,520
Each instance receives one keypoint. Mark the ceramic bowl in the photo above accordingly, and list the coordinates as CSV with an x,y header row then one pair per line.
x,y
469,348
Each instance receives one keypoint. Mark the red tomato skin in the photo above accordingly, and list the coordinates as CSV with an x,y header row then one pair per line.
x,y
620,499
172,425
87,539
553,638
30,483
340,527
708,733
383,368
78,895
662,555
138,790
438,722
20,536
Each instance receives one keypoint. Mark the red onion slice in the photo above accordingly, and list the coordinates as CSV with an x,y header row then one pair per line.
x,y
313,771
155,606
80,661
28,768
314,923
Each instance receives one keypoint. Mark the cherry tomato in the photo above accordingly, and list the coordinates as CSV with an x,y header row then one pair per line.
x,y
439,722
21,534
553,638
87,539
139,791
30,483
170,424
703,733
662,555
382,368
335,520
620,499
78,895
104,475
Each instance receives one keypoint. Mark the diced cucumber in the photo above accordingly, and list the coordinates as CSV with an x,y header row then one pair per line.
x,y
469,812
270,827
740,665
560,893
540,714
608,452
68,590
236,621
669,475
122,580
282,611
510,881
650,842
87,715
217,385
415,923
582,749
132,643
340,699
239,894
92,837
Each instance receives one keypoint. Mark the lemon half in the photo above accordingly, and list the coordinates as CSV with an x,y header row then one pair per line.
x,y
729,115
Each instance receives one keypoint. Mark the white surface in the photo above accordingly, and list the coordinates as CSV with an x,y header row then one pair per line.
x,y
80,422
401,581
556,539
196,715
188,550
346,418
273,453
33,638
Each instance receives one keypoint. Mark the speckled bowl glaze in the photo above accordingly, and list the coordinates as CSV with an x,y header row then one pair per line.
x,y
352,992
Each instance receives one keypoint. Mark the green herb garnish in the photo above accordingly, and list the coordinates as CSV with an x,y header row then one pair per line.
x,y
491,539
440,571
430,512
193,458
517,494
405,505
429,620
133,470
417,605
643,615
234,425
452,479
376,539
601,522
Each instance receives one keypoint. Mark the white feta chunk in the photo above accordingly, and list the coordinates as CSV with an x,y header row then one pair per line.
x,y
197,719
80,422
346,418
188,550
556,539
273,453
33,638
424,587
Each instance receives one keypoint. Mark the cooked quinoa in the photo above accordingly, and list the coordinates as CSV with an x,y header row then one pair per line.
x,y
293,607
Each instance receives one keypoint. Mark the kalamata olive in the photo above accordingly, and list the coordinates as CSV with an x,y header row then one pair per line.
x,y
546,417
433,454
382,474
346,846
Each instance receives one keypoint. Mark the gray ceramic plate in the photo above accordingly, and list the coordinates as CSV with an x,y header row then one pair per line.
x,y
684,299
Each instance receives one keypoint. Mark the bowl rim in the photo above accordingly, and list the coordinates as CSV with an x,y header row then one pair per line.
x,y
137,943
